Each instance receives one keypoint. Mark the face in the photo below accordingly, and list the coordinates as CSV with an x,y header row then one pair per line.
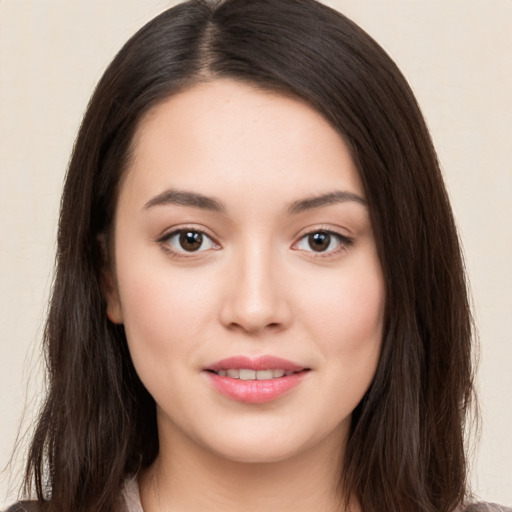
x,y
245,273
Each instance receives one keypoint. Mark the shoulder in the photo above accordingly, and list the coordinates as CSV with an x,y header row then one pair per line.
x,y
25,506
486,507
130,495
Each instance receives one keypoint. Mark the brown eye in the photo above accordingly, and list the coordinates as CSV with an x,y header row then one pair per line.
x,y
326,243
320,241
191,240
184,241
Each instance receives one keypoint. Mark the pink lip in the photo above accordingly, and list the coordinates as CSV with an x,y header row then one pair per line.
x,y
255,391
258,363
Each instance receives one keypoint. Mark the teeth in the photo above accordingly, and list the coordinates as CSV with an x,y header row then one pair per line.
x,y
246,374
264,374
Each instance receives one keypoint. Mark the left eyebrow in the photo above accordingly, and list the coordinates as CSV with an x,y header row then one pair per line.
x,y
309,203
185,198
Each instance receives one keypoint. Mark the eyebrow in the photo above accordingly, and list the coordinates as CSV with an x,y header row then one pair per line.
x,y
196,200
335,197
185,198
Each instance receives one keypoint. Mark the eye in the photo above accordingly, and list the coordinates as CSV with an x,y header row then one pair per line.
x,y
323,242
189,241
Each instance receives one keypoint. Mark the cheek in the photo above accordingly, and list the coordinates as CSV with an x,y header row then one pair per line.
x,y
345,317
348,306
165,312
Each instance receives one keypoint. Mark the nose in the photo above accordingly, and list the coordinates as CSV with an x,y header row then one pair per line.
x,y
256,297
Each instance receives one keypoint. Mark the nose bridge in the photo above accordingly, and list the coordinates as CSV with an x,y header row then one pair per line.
x,y
255,298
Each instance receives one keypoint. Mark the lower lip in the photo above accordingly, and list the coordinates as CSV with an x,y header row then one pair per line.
x,y
255,391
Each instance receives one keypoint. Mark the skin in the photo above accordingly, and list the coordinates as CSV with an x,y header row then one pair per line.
x,y
255,287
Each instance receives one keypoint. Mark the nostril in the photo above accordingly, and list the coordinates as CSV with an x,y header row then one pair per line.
x,y
255,311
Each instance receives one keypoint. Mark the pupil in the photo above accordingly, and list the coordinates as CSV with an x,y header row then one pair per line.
x,y
319,241
191,240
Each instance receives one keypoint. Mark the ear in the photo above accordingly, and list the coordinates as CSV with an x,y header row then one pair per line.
x,y
109,283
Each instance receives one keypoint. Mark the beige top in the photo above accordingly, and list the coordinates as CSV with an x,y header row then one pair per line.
x,y
131,496
132,500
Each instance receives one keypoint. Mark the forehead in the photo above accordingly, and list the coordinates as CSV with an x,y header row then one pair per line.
x,y
224,136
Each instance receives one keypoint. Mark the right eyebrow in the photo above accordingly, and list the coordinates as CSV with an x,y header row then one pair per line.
x,y
185,198
337,196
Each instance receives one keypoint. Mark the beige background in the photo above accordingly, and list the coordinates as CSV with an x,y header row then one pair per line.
x,y
457,57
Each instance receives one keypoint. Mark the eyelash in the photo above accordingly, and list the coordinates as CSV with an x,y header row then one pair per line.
x,y
165,241
343,241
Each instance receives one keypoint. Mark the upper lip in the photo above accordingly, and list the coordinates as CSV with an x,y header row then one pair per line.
x,y
266,362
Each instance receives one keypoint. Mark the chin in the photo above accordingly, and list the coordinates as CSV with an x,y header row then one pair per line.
x,y
257,453
267,447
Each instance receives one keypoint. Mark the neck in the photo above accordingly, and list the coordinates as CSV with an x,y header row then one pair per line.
x,y
188,477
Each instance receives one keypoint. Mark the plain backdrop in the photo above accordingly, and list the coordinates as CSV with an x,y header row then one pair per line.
x,y
456,55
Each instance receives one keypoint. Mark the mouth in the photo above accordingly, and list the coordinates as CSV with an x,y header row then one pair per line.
x,y
257,380
248,374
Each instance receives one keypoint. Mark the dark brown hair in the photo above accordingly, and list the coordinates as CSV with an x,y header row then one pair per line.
x,y
406,448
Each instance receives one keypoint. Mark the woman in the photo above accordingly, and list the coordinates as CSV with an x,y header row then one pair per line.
x,y
260,300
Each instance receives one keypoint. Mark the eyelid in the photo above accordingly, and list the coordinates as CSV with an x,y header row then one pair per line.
x,y
344,241
163,240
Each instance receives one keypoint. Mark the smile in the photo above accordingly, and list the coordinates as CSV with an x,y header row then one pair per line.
x,y
248,374
255,381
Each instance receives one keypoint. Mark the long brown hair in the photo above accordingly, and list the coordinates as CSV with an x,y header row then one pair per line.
x,y
406,447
